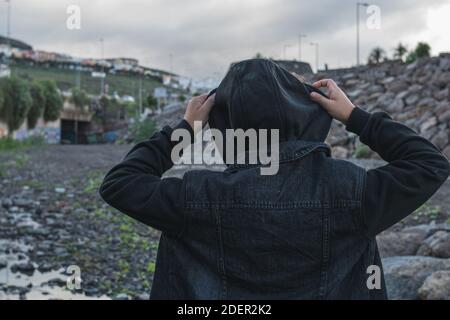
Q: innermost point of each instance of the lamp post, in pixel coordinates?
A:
(316, 45)
(8, 29)
(102, 54)
(300, 36)
(358, 5)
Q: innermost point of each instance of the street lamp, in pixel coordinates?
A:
(300, 36)
(284, 50)
(358, 4)
(315, 44)
(8, 29)
(8, 18)
(102, 78)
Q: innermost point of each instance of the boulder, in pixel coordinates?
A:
(405, 275)
(392, 243)
(436, 286)
(438, 245)
(440, 139)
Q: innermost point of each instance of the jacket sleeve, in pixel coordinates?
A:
(415, 170)
(134, 186)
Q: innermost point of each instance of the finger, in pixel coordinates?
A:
(320, 99)
(320, 83)
(209, 103)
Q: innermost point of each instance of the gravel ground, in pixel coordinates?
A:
(51, 217)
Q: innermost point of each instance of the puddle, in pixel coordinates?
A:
(14, 252)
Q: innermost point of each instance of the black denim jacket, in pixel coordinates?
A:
(307, 232)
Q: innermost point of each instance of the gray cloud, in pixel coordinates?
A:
(205, 36)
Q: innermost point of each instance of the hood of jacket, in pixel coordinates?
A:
(259, 94)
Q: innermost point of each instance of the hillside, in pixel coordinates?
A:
(67, 79)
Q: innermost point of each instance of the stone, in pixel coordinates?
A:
(122, 296)
(405, 275)
(446, 152)
(436, 286)
(391, 243)
(441, 95)
(3, 263)
(445, 117)
(412, 99)
(396, 105)
(438, 245)
(426, 103)
(26, 268)
(428, 124)
(340, 152)
(440, 139)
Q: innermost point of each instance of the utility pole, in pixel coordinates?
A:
(300, 36)
(8, 30)
(358, 4)
(102, 78)
(140, 97)
(317, 54)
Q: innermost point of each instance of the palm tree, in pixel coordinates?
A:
(423, 50)
(399, 51)
(376, 55)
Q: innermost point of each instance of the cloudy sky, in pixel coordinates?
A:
(204, 36)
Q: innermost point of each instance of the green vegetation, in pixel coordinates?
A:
(66, 79)
(142, 130)
(151, 102)
(376, 56)
(37, 105)
(79, 98)
(399, 51)
(53, 101)
(362, 151)
(422, 50)
(428, 211)
(7, 144)
(94, 180)
(16, 102)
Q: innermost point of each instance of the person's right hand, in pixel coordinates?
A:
(338, 105)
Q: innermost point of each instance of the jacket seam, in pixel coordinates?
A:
(221, 257)
(275, 205)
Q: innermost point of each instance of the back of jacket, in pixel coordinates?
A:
(296, 234)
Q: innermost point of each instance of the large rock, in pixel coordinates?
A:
(405, 275)
(391, 243)
(438, 245)
(436, 286)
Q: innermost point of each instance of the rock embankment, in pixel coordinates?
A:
(415, 94)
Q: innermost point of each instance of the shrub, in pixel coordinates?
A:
(53, 101)
(37, 104)
(142, 130)
(79, 98)
(16, 102)
(362, 151)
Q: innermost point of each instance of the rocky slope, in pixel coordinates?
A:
(415, 94)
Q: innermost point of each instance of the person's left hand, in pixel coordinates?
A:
(198, 109)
